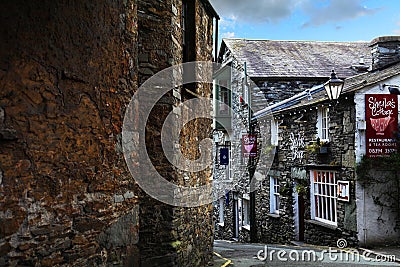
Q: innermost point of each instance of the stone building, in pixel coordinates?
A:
(313, 192)
(67, 72)
(258, 74)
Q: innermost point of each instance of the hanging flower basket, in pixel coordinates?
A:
(318, 147)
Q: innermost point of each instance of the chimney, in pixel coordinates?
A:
(385, 51)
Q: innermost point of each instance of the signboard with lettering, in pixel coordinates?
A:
(297, 145)
(249, 146)
(343, 190)
(381, 114)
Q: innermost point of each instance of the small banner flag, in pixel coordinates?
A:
(249, 145)
(224, 156)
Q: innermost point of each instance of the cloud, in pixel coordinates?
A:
(327, 11)
(317, 12)
(256, 11)
(228, 22)
(228, 35)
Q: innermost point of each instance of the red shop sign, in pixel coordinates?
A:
(381, 114)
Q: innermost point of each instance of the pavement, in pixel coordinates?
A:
(230, 253)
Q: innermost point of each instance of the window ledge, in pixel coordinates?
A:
(247, 227)
(315, 222)
(273, 215)
(221, 224)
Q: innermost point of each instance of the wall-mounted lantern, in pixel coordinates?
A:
(334, 86)
(393, 89)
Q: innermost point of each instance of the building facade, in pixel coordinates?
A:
(293, 199)
(68, 71)
(321, 197)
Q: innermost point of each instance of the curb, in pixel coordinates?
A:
(377, 254)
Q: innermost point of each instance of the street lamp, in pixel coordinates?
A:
(334, 86)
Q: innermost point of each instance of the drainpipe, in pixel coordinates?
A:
(364, 219)
(216, 40)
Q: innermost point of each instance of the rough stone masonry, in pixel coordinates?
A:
(67, 71)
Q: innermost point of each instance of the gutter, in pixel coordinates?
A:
(288, 102)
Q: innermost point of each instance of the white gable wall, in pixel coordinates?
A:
(375, 224)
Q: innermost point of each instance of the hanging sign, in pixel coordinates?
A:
(224, 156)
(249, 145)
(343, 190)
(381, 114)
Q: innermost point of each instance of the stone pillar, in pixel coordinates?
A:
(67, 71)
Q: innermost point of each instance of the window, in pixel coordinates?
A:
(323, 124)
(246, 212)
(274, 133)
(274, 195)
(188, 30)
(224, 97)
(221, 210)
(323, 196)
(245, 91)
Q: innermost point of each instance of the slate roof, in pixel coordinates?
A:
(319, 95)
(298, 59)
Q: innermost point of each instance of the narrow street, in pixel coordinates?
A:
(227, 253)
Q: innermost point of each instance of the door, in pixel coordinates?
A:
(301, 217)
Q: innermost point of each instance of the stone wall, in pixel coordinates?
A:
(67, 70)
(173, 236)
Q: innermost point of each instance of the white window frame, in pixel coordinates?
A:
(274, 196)
(245, 91)
(246, 213)
(221, 210)
(323, 196)
(224, 98)
(323, 124)
(240, 213)
(274, 132)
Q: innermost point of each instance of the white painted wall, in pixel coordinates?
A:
(375, 225)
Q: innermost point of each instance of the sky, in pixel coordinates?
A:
(319, 20)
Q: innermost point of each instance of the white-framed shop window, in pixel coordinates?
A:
(324, 196)
(221, 210)
(274, 196)
(323, 124)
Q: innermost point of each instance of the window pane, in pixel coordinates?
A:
(324, 184)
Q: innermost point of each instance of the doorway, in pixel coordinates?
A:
(235, 218)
